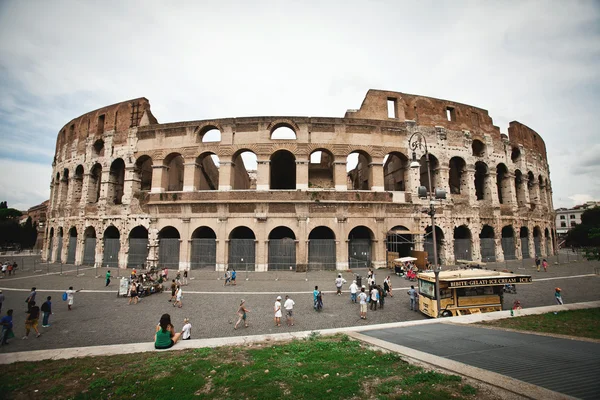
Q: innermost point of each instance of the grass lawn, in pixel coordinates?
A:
(315, 368)
(582, 323)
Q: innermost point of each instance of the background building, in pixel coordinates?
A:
(567, 218)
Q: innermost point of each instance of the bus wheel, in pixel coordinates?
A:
(446, 313)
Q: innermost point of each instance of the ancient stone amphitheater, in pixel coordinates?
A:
(264, 193)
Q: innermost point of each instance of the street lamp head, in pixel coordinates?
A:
(415, 163)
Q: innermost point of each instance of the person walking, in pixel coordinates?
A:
(412, 293)
(380, 296)
(233, 276)
(133, 293)
(186, 331)
(241, 312)
(70, 296)
(178, 297)
(339, 281)
(4, 269)
(374, 295)
(387, 286)
(31, 298)
(185, 277)
(173, 291)
(227, 278)
(7, 325)
(31, 322)
(289, 310)
(46, 311)
(315, 295)
(353, 291)
(558, 296)
(537, 263)
(362, 297)
(277, 309)
(107, 278)
(545, 265)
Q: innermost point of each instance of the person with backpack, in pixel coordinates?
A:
(31, 298)
(47, 311)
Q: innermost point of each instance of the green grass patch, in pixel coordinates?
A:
(580, 323)
(319, 367)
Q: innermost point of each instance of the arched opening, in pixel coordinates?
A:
(531, 189)
(548, 194)
(138, 248)
(519, 188)
(243, 170)
(549, 248)
(457, 176)
(434, 167)
(89, 246)
(168, 247)
(515, 154)
(462, 244)
(542, 191)
(502, 184)
(282, 249)
(59, 244)
(508, 243)
(98, 148)
(50, 244)
(283, 170)
(112, 246)
(56, 190)
(95, 184)
(206, 173)
(116, 181)
(242, 249)
(359, 247)
(321, 170)
(143, 172)
(175, 170)
(478, 148)
(399, 242)
(482, 190)
(488, 244)
(395, 172)
(204, 248)
(428, 243)
(321, 249)
(358, 168)
(537, 241)
(524, 236)
(283, 132)
(77, 185)
(210, 134)
(72, 249)
(64, 187)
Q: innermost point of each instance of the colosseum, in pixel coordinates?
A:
(267, 193)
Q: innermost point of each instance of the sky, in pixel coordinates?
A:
(537, 62)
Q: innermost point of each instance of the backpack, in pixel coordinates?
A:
(65, 296)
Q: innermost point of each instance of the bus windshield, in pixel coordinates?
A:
(427, 288)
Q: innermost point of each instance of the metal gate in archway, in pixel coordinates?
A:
(72, 250)
(508, 248)
(525, 247)
(89, 251)
(242, 254)
(168, 253)
(138, 252)
(548, 246)
(462, 249)
(50, 244)
(59, 249)
(204, 254)
(488, 249)
(428, 247)
(321, 254)
(282, 254)
(110, 257)
(359, 253)
(537, 243)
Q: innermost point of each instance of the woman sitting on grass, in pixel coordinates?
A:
(165, 336)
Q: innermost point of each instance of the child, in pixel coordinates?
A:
(315, 294)
(186, 331)
(227, 278)
(558, 296)
(233, 276)
(545, 265)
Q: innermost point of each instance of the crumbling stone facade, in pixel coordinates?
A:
(236, 192)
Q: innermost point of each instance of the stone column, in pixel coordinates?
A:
(99, 249)
(129, 183)
(190, 176)
(302, 174)
(499, 251)
(413, 183)
(65, 247)
(225, 168)
(261, 246)
(302, 242)
(377, 179)
(341, 246)
(159, 178)
(105, 182)
(80, 248)
(222, 245)
(184, 245)
(532, 251)
(341, 177)
(123, 251)
(439, 178)
(492, 188)
(525, 191)
(262, 179)
(475, 247)
(511, 194)
(470, 177)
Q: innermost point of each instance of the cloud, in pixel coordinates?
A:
(28, 183)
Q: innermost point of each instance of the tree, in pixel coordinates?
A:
(587, 234)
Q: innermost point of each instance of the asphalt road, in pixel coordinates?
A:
(99, 317)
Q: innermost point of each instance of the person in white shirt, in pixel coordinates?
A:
(353, 291)
(374, 295)
(363, 303)
(339, 281)
(70, 296)
(178, 297)
(186, 331)
(289, 310)
(277, 309)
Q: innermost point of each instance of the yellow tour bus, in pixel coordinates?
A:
(465, 291)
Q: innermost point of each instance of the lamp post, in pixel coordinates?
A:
(418, 141)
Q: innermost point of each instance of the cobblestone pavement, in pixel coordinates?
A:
(100, 317)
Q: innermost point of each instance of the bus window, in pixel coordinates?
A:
(445, 293)
(427, 288)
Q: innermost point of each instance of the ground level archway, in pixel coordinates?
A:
(242, 249)
(321, 249)
(204, 248)
(282, 249)
(359, 247)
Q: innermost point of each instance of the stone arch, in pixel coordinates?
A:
(206, 171)
(502, 184)
(321, 249)
(72, 246)
(482, 189)
(143, 173)
(400, 241)
(64, 187)
(358, 168)
(457, 176)
(98, 148)
(321, 169)
(273, 125)
(396, 171)
(549, 247)
(428, 243)
(204, 248)
(283, 131)
(112, 246)
(89, 246)
(537, 240)
(477, 148)
(210, 133)
(531, 181)
(524, 237)
(77, 185)
(243, 169)
(242, 249)
(508, 243)
(95, 184)
(50, 243)
(434, 166)
(515, 154)
(519, 188)
(463, 243)
(59, 244)
(542, 191)
(282, 170)
(488, 244)
(282, 249)
(175, 172)
(116, 181)
(359, 247)
(168, 247)
(138, 247)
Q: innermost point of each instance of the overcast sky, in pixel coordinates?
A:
(537, 62)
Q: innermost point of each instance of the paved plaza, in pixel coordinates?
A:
(99, 317)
